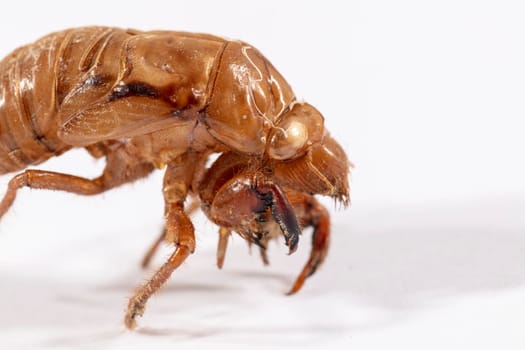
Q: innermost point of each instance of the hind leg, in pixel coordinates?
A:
(119, 169)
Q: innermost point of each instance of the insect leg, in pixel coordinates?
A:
(264, 256)
(146, 260)
(118, 170)
(179, 231)
(137, 303)
(192, 207)
(317, 216)
(224, 235)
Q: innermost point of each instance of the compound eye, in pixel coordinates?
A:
(288, 141)
(297, 130)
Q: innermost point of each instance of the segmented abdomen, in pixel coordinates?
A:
(34, 80)
(72, 87)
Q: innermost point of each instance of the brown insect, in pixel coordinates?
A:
(146, 100)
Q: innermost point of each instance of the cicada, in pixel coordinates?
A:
(169, 100)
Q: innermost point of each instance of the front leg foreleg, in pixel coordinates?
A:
(312, 213)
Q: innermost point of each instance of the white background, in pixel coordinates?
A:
(428, 100)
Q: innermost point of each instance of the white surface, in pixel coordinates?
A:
(428, 100)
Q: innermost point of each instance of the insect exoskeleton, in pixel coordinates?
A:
(146, 100)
